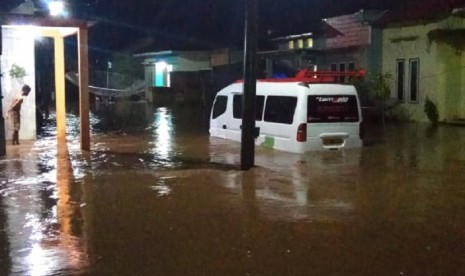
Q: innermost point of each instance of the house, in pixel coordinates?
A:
(341, 43)
(423, 44)
(292, 53)
(190, 76)
(168, 73)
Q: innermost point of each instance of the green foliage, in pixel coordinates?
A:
(380, 87)
(17, 72)
(431, 111)
(363, 90)
(375, 90)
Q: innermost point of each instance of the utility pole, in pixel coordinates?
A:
(250, 79)
(2, 120)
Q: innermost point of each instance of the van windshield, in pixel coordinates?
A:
(334, 108)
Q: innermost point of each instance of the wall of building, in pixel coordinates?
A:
(192, 61)
(442, 76)
(374, 52)
(357, 55)
(450, 61)
(450, 82)
(407, 43)
(149, 73)
(18, 49)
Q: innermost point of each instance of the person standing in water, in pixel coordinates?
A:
(14, 113)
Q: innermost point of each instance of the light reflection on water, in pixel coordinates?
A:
(163, 134)
(34, 219)
(164, 198)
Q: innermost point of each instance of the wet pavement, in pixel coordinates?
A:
(157, 196)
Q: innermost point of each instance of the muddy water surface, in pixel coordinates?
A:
(158, 196)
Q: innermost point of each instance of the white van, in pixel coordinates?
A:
(297, 115)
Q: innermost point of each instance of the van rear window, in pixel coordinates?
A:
(334, 108)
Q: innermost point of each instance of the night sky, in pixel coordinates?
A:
(197, 24)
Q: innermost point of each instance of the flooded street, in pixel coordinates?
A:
(157, 196)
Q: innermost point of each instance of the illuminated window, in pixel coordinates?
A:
(300, 43)
(163, 74)
(291, 44)
(309, 42)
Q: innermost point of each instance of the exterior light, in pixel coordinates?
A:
(56, 8)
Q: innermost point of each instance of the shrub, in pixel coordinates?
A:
(431, 111)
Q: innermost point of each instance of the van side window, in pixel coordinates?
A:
(280, 109)
(334, 108)
(220, 106)
(237, 107)
(259, 101)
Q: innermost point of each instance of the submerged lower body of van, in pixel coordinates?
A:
(314, 138)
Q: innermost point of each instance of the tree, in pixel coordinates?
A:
(381, 93)
(374, 92)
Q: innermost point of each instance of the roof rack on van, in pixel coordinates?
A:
(308, 76)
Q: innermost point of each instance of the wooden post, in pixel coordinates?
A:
(250, 79)
(84, 89)
(60, 101)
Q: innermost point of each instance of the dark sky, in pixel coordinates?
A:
(176, 24)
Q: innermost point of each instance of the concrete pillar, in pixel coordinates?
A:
(60, 88)
(84, 89)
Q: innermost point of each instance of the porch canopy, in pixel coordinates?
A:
(58, 29)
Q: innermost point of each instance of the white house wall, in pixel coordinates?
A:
(441, 77)
(406, 43)
(18, 48)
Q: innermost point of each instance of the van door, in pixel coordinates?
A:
(236, 123)
(219, 117)
(277, 128)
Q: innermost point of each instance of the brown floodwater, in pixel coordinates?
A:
(157, 196)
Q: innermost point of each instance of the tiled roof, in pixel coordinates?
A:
(351, 31)
(420, 11)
